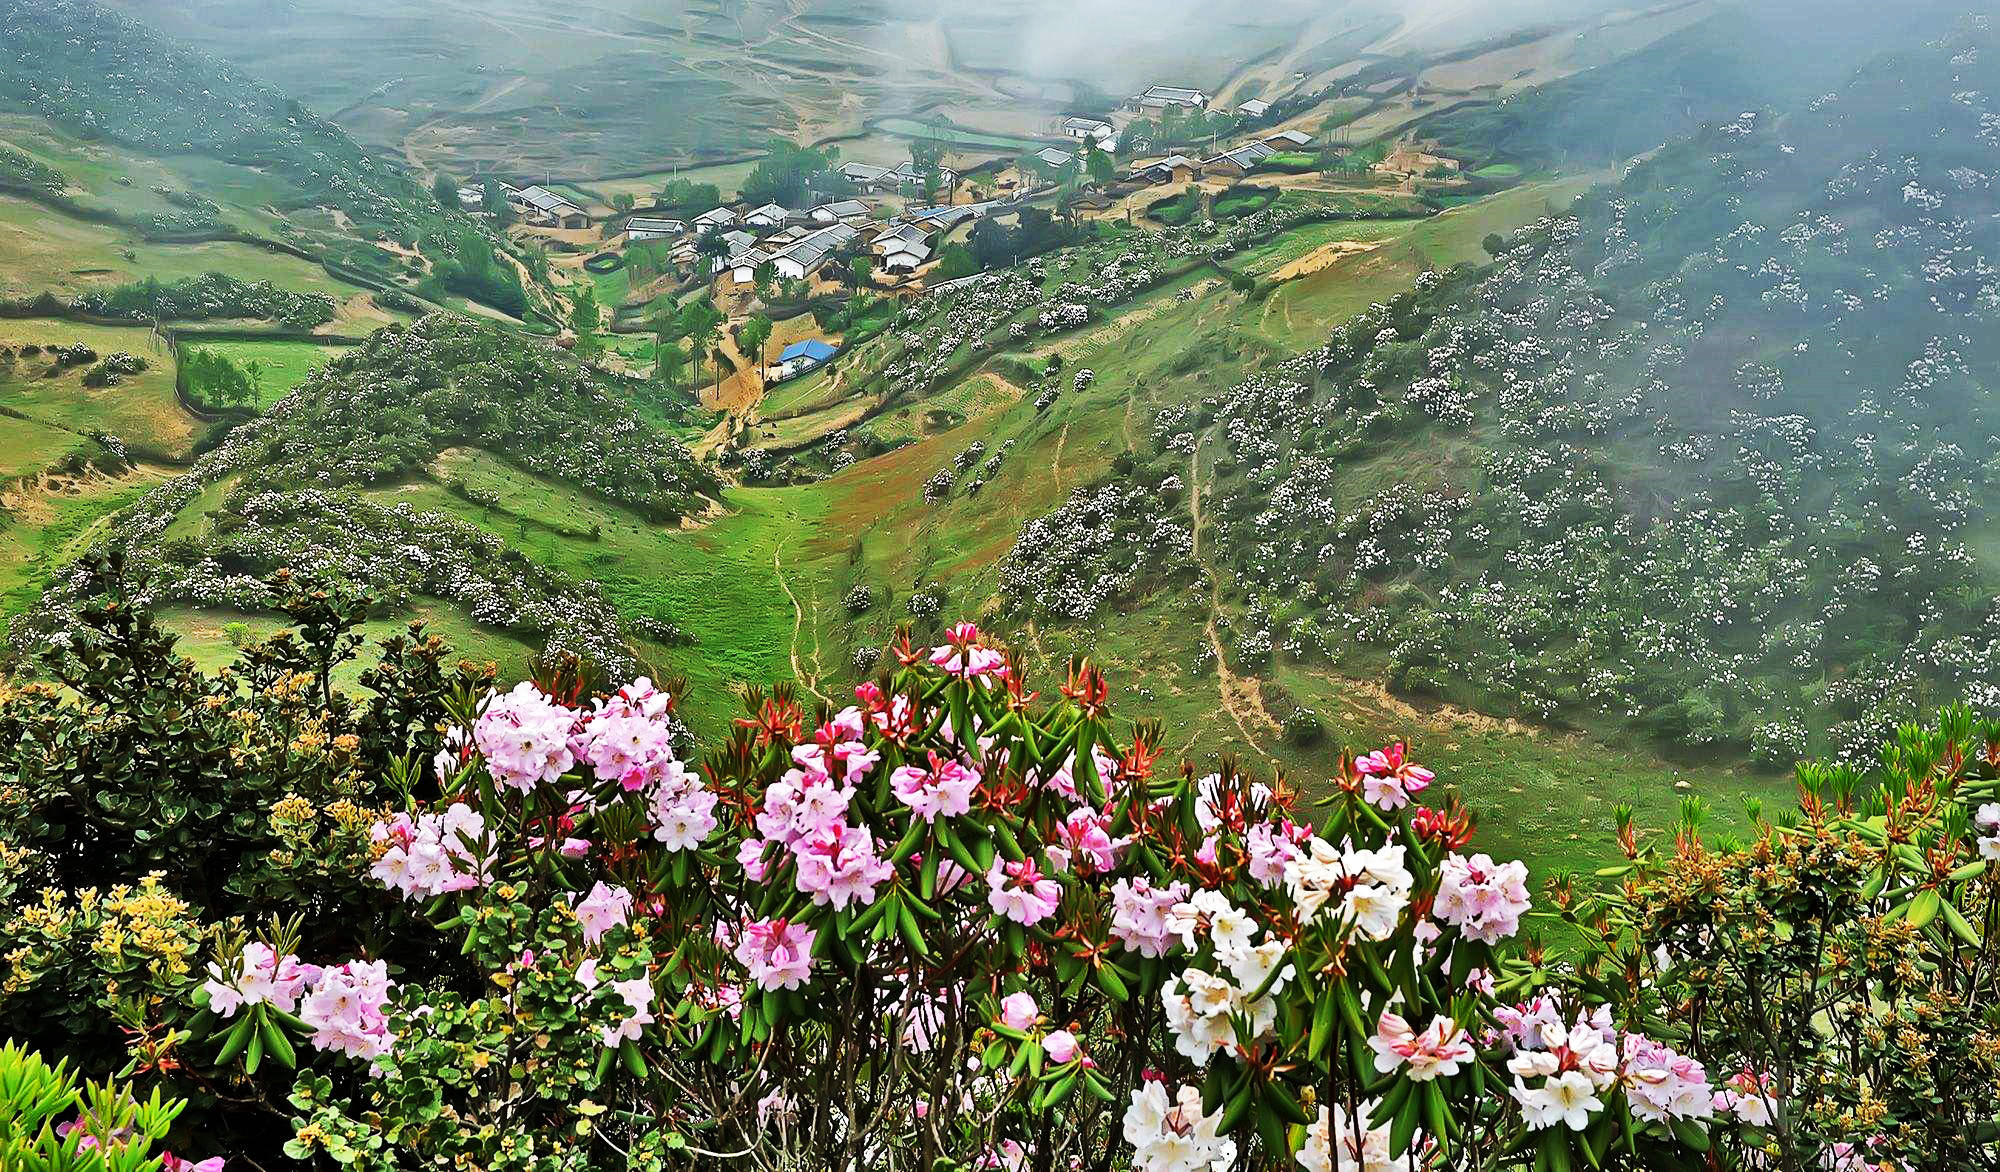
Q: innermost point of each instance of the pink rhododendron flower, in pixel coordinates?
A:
(1018, 891)
(837, 864)
(525, 737)
(637, 994)
(944, 788)
(1661, 1084)
(683, 816)
(777, 954)
(633, 750)
(426, 855)
(257, 976)
(1484, 900)
(963, 656)
(1086, 834)
(1271, 845)
(1018, 1011)
(1746, 1096)
(1139, 914)
(1061, 1046)
(172, 1163)
(1438, 1050)
(750, 857)
(605, 908)
(344, 1009)
(1388, 781)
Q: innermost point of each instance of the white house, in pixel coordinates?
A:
(1289, 139)
(653, 228)
(471, 198)
(907, 173)
(717, 218)
(1087, 129)
(743, 267)
(803, 258)
(1161, 97)
(768, 216)
(1254, 108)
(902, 248)
(840, 209)
(866, 175)
(1055, 160)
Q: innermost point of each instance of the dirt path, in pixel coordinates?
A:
(1320, 258)
(1056, 464)
(1239, 695)
(811, 681)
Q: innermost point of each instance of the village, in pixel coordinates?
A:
(867, 236)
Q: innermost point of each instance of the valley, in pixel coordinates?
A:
(1054, 354)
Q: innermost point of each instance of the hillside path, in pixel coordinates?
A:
(811, 681)
(1239, 695)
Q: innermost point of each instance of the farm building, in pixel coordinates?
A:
(842, 209)
(1087, 129)
(653, 228)
(544, 206)
(800, 357)
(948, 216)
(1254, 108)
(1162, 97)
(907, 174)
(1415, 160)
(768, 216)
(718, 218)
(902, 248)
(866, 176)
(1055, 160)
(1289, 139)
(1239, 162)
(471, 198)
(1172, 169)
(743, 267)
(802, 258)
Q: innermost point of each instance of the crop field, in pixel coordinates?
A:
(958, 136)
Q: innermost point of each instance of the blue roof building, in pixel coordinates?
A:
(813, 351)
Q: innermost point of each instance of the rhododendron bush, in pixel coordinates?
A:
(952, 925)
(955, 923)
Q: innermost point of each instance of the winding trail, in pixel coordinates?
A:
(1239, 695)
(811, 681)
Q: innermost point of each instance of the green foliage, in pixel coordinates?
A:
(209, 296)
(464, 261)
(791, 176)
(215, 379)
(115, 1131)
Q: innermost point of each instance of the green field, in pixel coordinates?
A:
(141, 410)
(284, 363)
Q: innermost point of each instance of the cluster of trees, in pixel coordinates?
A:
(995, 245)
(793, 176)
(687, 196)
(207, 297)
(463, 261)
(214, 378)
(1178, 126)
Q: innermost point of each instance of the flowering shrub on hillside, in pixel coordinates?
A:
(949, 925)
(946, 923)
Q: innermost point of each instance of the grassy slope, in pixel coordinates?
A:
(285, 362)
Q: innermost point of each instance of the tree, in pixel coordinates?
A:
(955, 261)
(926, 157)
(445, 189)
(859, 270)
(623, 202)
(1494, 244)
(787, 174)
(1097, 164)
(753, 334)
(710, 246)
(669, 364)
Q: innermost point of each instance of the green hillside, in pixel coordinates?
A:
(125, 155)
(1710, 458)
